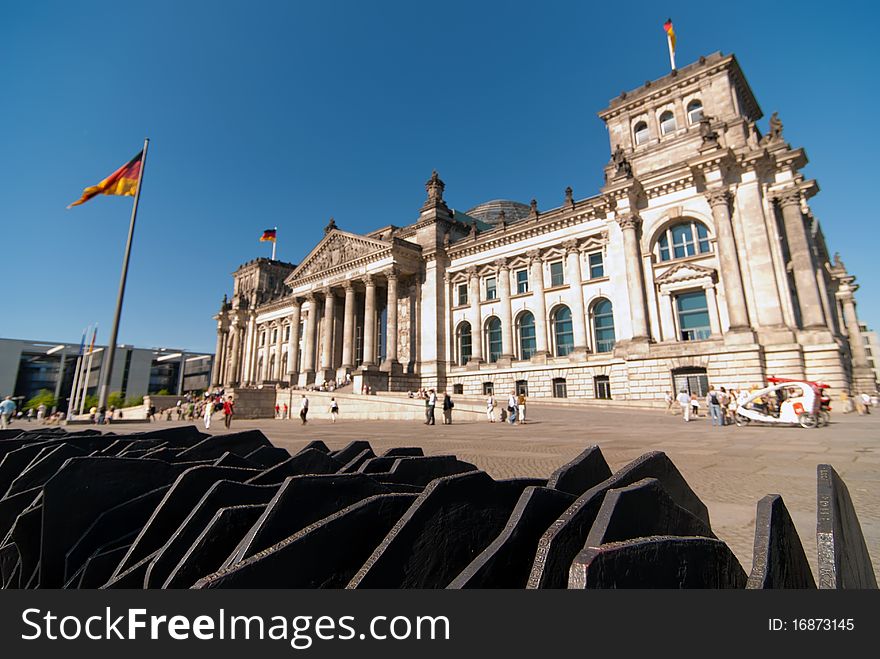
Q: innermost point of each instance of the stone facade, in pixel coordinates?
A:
(699, 261)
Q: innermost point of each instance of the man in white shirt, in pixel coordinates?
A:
(304, 409)
(684, 400)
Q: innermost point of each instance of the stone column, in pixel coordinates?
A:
(475, 316)
(308, 369)
(536, 283)
(391, 322)
(731, 278)
(369, 321)
(293, 342)
(851, 319)
(218, 356)
(327, 337)
(635, 285)
(348, 327)
(575, 295)
(712, 306)
(279, 353)
(502, 275)
(801, 259)
(235, 353)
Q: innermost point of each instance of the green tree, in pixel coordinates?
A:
(43, 397)
(91, 401)
(163, 392)
(115, 400)
(134, 402)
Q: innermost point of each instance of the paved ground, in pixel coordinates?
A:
(729, 468)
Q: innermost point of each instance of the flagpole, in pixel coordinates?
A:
(274, 243)
(82, 403)
(111, 346)
(71, 399)
(80, 376)
(671, 52)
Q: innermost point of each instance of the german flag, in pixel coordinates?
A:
(123, 181)
(268, 236)
(670, 32)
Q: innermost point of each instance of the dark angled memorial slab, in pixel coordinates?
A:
(455, 518)
(325, 554)
(133, 577)
(233, 460)
(15, 462)
(221, 495)
(213, 545)
(422, 470)
(180, 436)
(585, 471)
(166, 454)
(350, 451)
(378, 465)
(43, 467)
(567, 535)
(94, 484)
(403, 451)
(186, 491)
(121, 521)
(779, 560)
(240, 443)
(309, 461)
(99, 567)
(507, 561)
(640, 510)
(12, 507)
(300, 501)
(352, 465)
(318, 445)
(26, 535)
(658, 562)
(844, 561)
(9, 561)
(267, 456)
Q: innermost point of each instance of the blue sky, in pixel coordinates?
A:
(286, 113)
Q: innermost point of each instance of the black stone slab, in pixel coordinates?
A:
(141, 446)
(232, 460)
(318, 445)
(133, 577)
(267, 456)
(165, 454)
(507, 561)
(213, 545)
(300, 501)
(350, 451)
(566, 536)
(123, 520)
(186, 491)
(12, 507)
(309, 461)
(585, 471)
(99, 567)
(94, 485)
(221, 495)
(325, 554)
(15, 462)
(844, 561)
(779, 560)
(640, 510)
(658, 562)
(10, 560)
(454, 519)
(9, 433)
(378, 465)
(25, 534)
(421, 471)
(43, 467)
(179, 436)
(240, 443)
(403, 451)
(353, 464)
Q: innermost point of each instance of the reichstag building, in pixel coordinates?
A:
(698, 262)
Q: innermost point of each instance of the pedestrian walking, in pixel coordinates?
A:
(521, 408)
(228, 412)
(490, 408)
(7, 409)
(684, 400)
(334, 409)
(304, 409)
(670, 402)
(447, 409)
(277, 411)
(286, 414)
(511, 408)
(430, 404)
(695, 405)
(41, 412)
(713, 403)
(209, 410)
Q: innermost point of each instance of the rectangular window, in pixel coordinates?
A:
(559, 388)
(488, 388)
(597, 265)
(522, 387)
(287, 333)
(462, 294)
(491, 288)
(522, 281)
(682, 241)
(458, 389)
(693, 316)
(557, 276)
(602, 385)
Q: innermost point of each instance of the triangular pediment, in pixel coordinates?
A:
(685, 272)
(336, 249)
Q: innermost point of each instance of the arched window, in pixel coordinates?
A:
(284, 368)
(260, 370)
(603, 325)
(525, 330)
(682, 240)
(493, 339)
(640, 133)
(272, 368)
(464, 343)
(667, 123)
(563, 333)
(695, 111)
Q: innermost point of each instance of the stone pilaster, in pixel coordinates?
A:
(348, 328)
(328, 373)
(307, 374)
(218, 355)
(391, 362)
(503, 282)
(233, 375)
(635, 285)
(575, 296)
(267, 353)
(731, 277)
(277, 375)
(369, 321)
(539, 304)
(863, 375)
(476, 318)
(293, 342)
(789, 201)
